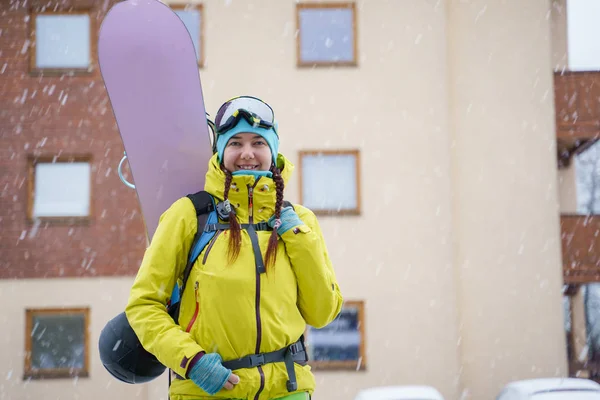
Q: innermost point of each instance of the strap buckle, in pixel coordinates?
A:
(296, 348)
(262, 226)
(291, 386)
(257, 360)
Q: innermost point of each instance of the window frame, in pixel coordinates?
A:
(342, 5)
(56, 373)
(577, 34)
(32, 162)
(345, 365)
(200, 8)
(36, 71)
(326, 211)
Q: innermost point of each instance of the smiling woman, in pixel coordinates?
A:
(263, 276)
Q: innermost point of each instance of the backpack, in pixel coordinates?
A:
(207, 214)
(208, 219)
(120, 350)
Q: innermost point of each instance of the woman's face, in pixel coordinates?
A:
(247, 151)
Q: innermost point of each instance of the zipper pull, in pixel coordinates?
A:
(250, 200)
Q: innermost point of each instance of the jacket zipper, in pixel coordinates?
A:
(191, 323)
(257, 299)
(210, 245)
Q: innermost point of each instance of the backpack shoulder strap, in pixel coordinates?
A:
(203, 202)
(204, 205)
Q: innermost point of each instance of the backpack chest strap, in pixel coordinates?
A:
(260, 226)
(251, 229)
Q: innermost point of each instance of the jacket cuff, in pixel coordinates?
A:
(191, 364)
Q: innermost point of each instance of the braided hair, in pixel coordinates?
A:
(271, 254)
(235, 238)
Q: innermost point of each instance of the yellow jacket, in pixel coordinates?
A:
(229, 308)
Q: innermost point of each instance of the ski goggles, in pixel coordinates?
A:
(255, 111)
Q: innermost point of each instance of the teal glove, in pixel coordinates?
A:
(209, 374)
(289, 219)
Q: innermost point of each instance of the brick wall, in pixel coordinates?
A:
(60, 116)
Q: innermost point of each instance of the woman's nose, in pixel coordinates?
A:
(247, 152)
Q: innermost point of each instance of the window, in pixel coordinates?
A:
(341, 344)
(582, 31)
(57, 343)
(61, 42)
(59, 188)
(591, 303)
(192, 16)
(330, 181)
(326, 34)
(587, 173)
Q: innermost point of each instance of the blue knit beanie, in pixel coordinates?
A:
(244, 127)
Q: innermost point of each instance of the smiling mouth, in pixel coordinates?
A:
(247, 167)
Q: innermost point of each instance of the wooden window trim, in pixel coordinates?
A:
(56, 373)
(346, 365)
(34, 70)
(200, 8)
(32, 161)
(356, 154)
(303, 6)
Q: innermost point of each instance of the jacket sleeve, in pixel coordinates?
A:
(163, 263)
(319, 296)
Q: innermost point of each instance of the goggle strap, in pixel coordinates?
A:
(235, 117)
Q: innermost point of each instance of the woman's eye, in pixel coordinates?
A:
(234, 144)
(260, 143)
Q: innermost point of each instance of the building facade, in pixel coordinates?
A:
(436, 124)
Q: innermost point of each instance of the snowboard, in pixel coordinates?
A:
(150, 70)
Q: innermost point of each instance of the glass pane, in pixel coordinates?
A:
(62, 41)
(591, 299)
(57, 341)
(326, 35)
(582, 31)
(587, 175)
(338, 341)
(191, 20)
(329, 182)
(62, 189)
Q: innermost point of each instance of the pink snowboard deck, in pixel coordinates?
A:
(149, 66)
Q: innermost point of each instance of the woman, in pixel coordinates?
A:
(263, 277)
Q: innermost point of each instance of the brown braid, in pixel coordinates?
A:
(235, 238)
(271, 255)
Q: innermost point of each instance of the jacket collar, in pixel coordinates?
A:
(262, 188)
